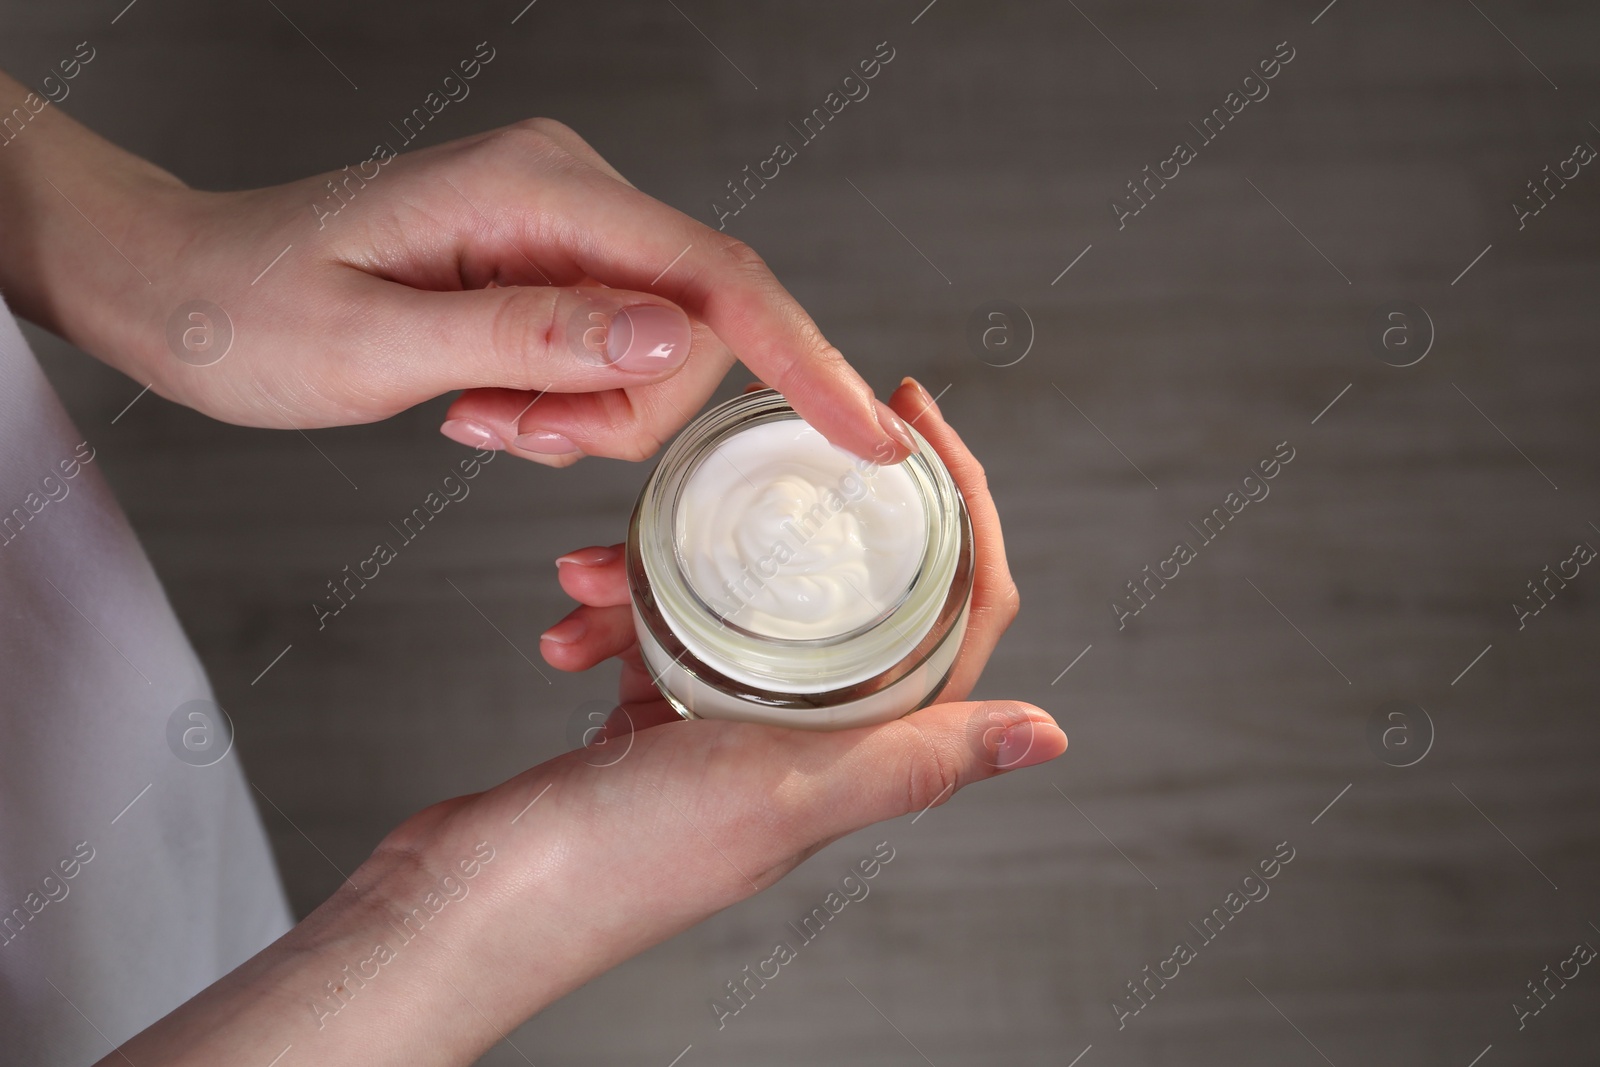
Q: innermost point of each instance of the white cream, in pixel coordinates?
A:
(788, 537)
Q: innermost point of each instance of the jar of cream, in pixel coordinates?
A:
(778, 579)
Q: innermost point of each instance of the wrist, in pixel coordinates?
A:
(78, 215)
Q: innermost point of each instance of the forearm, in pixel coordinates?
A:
(469, 918)
(76, 212)
(392, 973)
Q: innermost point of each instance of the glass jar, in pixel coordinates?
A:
(759, 648)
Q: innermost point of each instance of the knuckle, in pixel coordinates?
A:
(1010, 603)
(819, 356)
(743, 259)
(549, 127)
(932, 775)
(523, 135)
(974, 486)
(571, 147)
(997, 608)
(536, 139)
(526, 326)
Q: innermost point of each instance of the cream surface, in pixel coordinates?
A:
(789, 537)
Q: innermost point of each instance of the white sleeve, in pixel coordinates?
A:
(130, 877)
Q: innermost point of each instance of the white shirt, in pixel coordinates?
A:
(130, 878)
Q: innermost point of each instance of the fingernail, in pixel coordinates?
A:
(566, 631)
(545, 443)
(896, 428)
(1027, 743)
(922, 393)
(472, 434)
(591, 557)
(649, 337)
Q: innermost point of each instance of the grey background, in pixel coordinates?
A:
(1196, 339)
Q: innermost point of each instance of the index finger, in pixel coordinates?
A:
(624, 238)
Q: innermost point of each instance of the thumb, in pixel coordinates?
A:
(567, 340)
(920, 761)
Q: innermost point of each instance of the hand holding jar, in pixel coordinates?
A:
(590, 858)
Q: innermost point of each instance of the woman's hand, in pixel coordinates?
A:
(602, 626)
(582, 316)
(479, 911)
